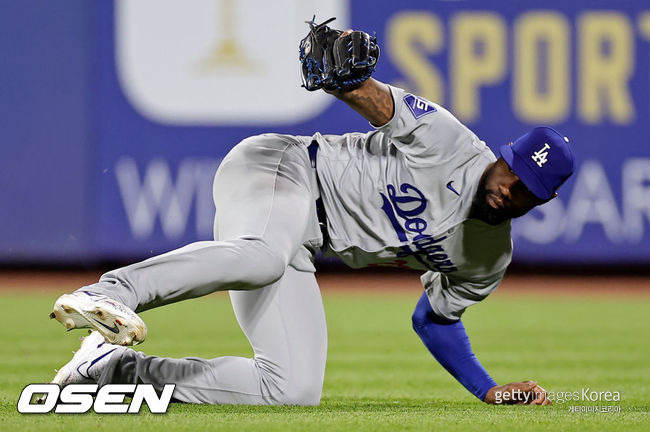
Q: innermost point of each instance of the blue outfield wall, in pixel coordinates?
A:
(45, 200)
(115, 114)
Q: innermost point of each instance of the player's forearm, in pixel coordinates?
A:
(372, 100)
(449, 344)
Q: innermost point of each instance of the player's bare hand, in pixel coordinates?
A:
(520, 393)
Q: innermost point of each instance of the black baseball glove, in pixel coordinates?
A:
(336, 63)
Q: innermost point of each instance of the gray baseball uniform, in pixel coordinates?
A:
(400, 196)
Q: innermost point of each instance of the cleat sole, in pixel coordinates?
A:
(115, 325)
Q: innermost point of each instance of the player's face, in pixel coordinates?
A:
(502, 195)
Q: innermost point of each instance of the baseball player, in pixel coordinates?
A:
(421, 191)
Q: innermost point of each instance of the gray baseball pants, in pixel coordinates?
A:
(265, 231)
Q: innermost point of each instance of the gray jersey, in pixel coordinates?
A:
(397, 196)
(401, 196)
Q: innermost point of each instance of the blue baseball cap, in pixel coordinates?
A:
(542, 159)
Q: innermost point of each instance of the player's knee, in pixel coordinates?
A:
(266, 273)
(303, 397)
(304, 393)
(287, 388)
(269, 267)
(263, 265)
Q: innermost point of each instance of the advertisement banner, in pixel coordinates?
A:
(181, 84)
(168, 88)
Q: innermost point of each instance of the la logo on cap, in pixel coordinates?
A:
(541, 156)
(529, 158)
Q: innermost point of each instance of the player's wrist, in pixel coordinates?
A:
(348, 93)
(490, 396)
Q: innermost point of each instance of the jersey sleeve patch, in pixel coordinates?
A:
(418, 106)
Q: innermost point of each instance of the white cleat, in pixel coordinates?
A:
(87, 363)
(117, 323)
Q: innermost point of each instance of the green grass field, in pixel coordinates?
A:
(379, 376)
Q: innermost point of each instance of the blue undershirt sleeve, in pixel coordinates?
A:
(449, 344)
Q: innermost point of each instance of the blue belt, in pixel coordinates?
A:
(312, 149)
